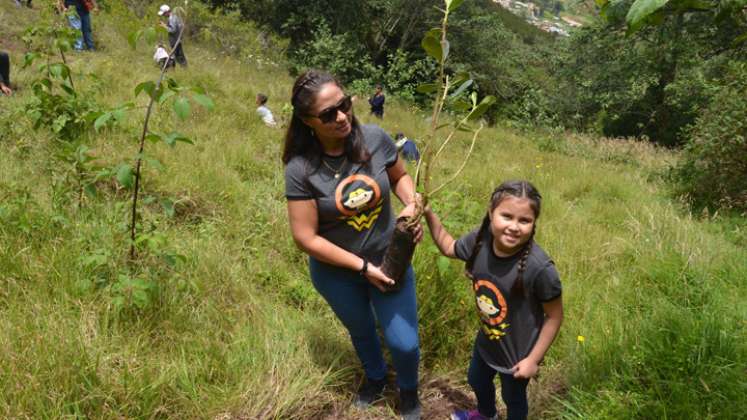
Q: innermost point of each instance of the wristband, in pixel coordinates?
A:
(364, 269)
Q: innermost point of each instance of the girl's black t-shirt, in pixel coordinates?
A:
(510, 322)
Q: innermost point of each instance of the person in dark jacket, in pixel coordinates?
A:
(5, 74)
(377, 102)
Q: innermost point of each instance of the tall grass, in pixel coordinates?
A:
(237, 329)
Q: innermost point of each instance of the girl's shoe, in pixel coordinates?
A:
(470, 415)
(370, 391)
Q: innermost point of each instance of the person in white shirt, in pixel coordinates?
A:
(161, 56)
(264, 112)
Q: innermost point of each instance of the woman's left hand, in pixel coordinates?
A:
(525, 369)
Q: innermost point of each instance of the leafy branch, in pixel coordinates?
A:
(158, 92)
(436, 44)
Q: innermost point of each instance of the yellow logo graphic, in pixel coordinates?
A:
(363, 220)
(492, 308)
(358, 198)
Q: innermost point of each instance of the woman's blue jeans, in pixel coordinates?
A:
(513, 391)
(359, 305)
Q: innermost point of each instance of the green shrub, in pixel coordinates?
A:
(713, 171)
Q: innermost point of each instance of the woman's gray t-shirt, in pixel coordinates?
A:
(510, 322)
(354, 210)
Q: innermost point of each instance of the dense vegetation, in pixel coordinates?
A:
(652, 83)
(217, 318)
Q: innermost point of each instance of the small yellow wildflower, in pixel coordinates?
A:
(581, 338)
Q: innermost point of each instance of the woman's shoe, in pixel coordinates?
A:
(370, 391)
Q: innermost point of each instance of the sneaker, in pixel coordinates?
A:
(409, 404)
(470, 415)
(370, 391)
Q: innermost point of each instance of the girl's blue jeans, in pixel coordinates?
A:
(359, 305)
(513, 391)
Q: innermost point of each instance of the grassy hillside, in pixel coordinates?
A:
(655, 320)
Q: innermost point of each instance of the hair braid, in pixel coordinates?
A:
(518, 286)
(478, 244)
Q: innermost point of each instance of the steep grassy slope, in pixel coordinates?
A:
(237, 331)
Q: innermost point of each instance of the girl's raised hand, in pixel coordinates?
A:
(376, 277)
(525, 369)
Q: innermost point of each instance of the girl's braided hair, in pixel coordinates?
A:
(518, 189)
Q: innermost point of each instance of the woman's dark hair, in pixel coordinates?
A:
(262, 98)
(518, 189)
(300, 139)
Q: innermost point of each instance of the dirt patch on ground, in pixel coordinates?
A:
(439, 398)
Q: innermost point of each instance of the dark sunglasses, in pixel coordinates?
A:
(330, 114)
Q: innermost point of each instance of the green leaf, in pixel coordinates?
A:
(126, 175)
(150, 35)
(432, 46)
(154, 137)
(461, 88)
(102, 120)
(427, 87)
(118, 114)
(148, 87)
(28, 59)
(68, 89)
(181, 107)
(203, 100)
(133, 37)
(479, 110)
(640, 10)
(452, 5)
(174, 137)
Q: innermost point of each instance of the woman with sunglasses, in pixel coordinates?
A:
(338, 179)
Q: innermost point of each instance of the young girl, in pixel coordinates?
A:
(517, 292)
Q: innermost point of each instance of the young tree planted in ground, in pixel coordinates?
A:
(450, 91)
(158, 92)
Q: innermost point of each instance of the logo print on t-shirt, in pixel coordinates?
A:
(492, 308)
(358, 198)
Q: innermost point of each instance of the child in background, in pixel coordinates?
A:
(264, 112)
(517, 293)
(161, 56)
(407, 147)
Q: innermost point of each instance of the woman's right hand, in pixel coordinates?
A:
(377, 278)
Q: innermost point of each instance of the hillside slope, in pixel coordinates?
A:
(655, 321)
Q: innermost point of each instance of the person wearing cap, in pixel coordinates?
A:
(82, 22)
(174, 26)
